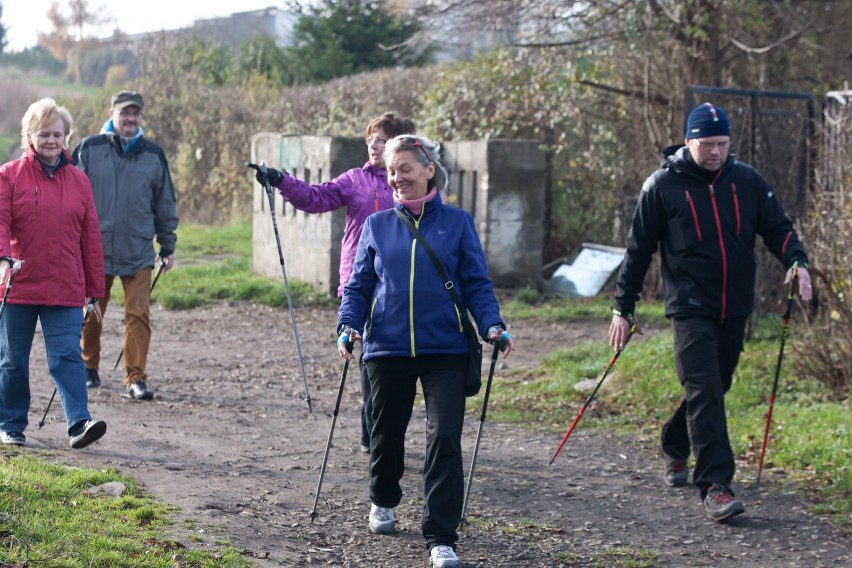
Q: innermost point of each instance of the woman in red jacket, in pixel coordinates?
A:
(48, 222)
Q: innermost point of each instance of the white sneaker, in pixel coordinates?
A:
(13, 438)
(444, 557)
(382, 520)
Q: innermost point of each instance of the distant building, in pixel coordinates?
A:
(233, 30)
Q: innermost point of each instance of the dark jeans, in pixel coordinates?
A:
(706, 355)
(394, 383)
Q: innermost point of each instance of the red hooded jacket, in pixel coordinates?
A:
(51, 223)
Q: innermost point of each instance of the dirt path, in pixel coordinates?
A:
(228, 439)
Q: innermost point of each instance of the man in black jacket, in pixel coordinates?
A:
(704, 210)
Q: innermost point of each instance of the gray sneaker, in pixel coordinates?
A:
(382, 519)
(442, 556)
(677, 474)
(720, 503)
(13, 438)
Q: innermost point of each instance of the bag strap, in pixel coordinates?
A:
(448, 284)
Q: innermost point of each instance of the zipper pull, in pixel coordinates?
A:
(376, 190)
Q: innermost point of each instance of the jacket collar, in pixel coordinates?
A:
(678, 159)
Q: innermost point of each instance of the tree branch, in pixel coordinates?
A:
(658, 99)
(772, 45)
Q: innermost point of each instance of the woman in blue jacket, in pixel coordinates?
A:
(411, 329)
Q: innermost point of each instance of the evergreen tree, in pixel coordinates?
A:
(344, 37)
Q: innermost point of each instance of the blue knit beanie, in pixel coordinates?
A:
(707, 120)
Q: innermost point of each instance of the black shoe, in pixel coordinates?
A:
(139, 391)
(720, 503)
(87, 432)
(93, 380)
(677, 474)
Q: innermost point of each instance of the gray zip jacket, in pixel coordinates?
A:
(135, 200)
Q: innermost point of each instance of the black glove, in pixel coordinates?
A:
(271, 176)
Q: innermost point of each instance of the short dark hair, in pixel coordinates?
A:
(392, 124)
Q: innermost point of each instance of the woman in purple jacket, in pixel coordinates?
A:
(363, 191)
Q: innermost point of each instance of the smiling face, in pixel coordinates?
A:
(126, 120)
(49, 141)
(407, 176)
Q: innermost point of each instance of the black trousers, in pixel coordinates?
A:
(706, 355)
(367, 406)
(394, 382)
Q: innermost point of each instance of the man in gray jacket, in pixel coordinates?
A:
(136, 203)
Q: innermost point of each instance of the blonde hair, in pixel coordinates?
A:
(41, 113)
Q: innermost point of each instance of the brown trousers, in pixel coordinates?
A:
(137, 326)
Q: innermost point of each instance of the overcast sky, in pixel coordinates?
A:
(25, 19)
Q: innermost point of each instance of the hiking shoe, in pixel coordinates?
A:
(13, 438)
(382, 520)
(720, 503)
(87, 432)
(677, 473)
(365, 448)
(444, 557)
(93, 380)
(139, 391)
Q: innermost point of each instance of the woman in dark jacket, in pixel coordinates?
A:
(411, 329)
(48, 223)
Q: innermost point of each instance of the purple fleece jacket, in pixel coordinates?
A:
(363, 191)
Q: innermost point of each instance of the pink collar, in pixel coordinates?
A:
(416, 205)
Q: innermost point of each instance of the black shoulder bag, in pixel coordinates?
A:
(473, 375)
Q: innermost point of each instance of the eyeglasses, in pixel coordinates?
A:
(704, 145)
(409, 142)
(370, 140)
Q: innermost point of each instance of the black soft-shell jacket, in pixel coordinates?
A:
(705, 224)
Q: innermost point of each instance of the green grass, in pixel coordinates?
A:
(214, 264)
(810, 445)
(46, 519)
(527, 303)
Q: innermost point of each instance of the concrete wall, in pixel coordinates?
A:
(501, 182)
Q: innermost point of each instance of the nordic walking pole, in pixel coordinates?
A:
(594, 392)
(784, 333)
(497, 348)
(154, 283)
(89, 307)
(16, 266)
(270, 196)
(313, 512)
